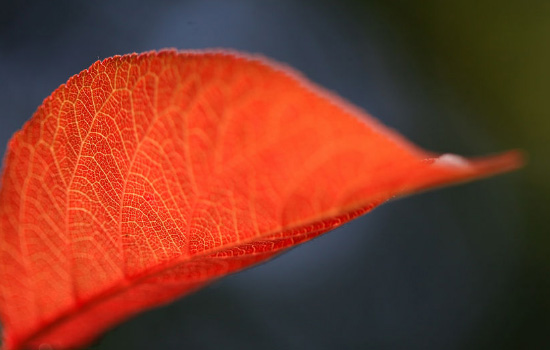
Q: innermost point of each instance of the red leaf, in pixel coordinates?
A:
(147, 176)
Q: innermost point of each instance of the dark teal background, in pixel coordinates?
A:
(461, 268)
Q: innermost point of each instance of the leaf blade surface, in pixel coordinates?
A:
(147, 176)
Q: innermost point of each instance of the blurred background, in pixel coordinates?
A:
(460, 268)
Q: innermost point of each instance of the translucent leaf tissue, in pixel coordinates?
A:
(146, 177)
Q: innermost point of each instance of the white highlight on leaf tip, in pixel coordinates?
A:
(452, 160)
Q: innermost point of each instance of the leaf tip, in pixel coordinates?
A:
(489, 165)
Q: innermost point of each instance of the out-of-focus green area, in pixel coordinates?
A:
(496, 56)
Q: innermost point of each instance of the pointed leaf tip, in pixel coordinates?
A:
(146, 177)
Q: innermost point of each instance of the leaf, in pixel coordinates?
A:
(148, 176)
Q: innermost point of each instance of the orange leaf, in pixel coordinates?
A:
(147, 176)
